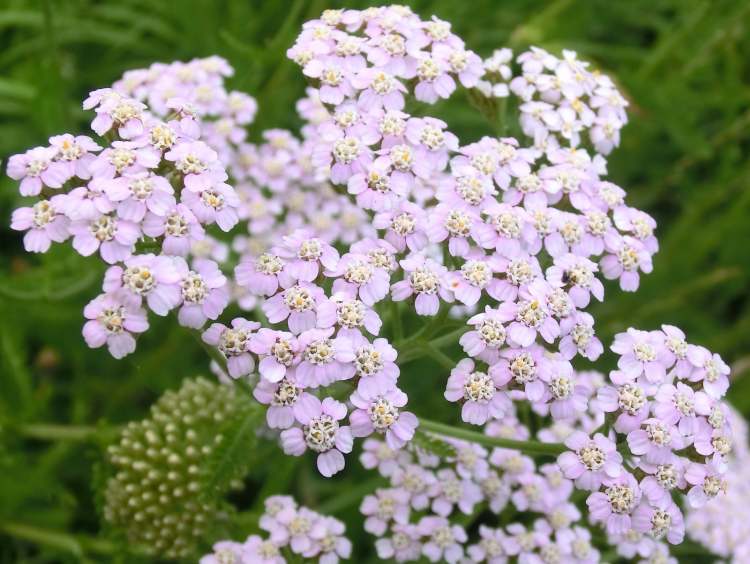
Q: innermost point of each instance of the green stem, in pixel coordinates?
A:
(76, 545)
(449, 338)
(397, 331)
(527, 447)
(439, 356)
(53, 432)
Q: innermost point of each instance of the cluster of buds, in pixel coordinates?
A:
(293, 531)
(155, 494)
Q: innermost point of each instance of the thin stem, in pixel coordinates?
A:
(449, 338)
(76, 545)
(53, 432)
(527, 447)
(439, 356)
(397, 331)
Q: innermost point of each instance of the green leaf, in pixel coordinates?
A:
(230, 460)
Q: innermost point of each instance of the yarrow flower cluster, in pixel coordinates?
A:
(370, 206)
(723, 523)
(302, 531)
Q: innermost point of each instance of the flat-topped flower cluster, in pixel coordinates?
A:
(290, 527)
(369, 206)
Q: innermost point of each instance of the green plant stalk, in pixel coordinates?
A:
(527, 447)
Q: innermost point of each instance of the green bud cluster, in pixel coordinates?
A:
(156, 493)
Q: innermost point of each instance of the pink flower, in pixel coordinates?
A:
(43, 223)
(278, 352)
(137, 194)
(402, 546)
(405, 226)
(445, 541)
(424, 278)
(378, 410)
(224, 551)
(155, 278)
(124, 158)
(706, 480)
(614, 506)
(530, 315)
(255, 549)
(478, 391)
(656, 442)
(434, 82)
(205, 293)
(179, 227)
(578, 273)
(628, 255)
(112, 320)
(448, 222)
(710, 369)
(630, 400)
(324, 360)
(114, 238)
(281, 397)
(300, 306)
(262, 275)
(507, 229)
(662, 521)
(217, 203)
(199, 164)
(490, 546)
(114, 110)
(524, 367)
(35, 169)
(488, 335)
(304, 254)
(641, 352)
(328, 541)
(321, 433)
(579, 337)
(74, 154)
(376, 454)
(566, 398)
(358, 277)
(590, 461)
(384, 508)
(475, 275)
(451, 490)
(378, 89)
(234, 344)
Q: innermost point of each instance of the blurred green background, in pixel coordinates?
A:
(683, 64)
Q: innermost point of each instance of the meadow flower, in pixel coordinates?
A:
(378, 409)
(710, 370)
(281, 397)
(299, 306)
(234, 343)
(43, 222)
(113, 320)
(114, 238)
(304, 254)
(153, 278)
(324, 359)
(204, 293)
(358, 277)
(590, 461)
(74, 154)
(179, 227)
(383, 508)
(487, 336)
(444, 541)
(321, 432)
(262, 275)
(478, 391)
(402, 546)
(424, 277)
(35, 170)
(329, 543)
(641, 352)
(614, 505)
